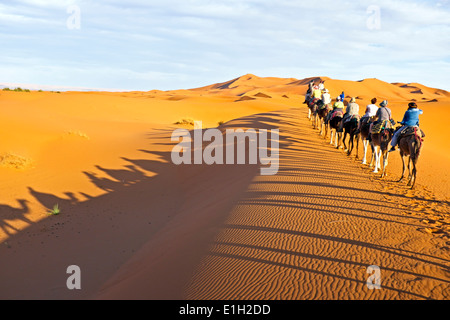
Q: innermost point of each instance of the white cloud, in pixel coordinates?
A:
(191, 42)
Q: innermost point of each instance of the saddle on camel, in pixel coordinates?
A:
(377, 127)
(312, 106)
(408, 131)
(336, 113)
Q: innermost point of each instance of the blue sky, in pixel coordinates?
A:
(180, 44)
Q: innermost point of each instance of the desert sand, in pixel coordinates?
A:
(141, 227)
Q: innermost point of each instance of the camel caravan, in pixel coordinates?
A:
(375, 128)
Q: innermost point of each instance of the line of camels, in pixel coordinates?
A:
(410, 144)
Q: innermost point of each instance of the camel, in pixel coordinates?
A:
(312, 106)
(321, 115)
(381, 141)
(350, 128)
(334, 124)
(410, 146)
(364, 135)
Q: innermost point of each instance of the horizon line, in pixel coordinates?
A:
(43, 87)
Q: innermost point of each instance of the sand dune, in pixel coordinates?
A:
(262, 95)
(141, 227)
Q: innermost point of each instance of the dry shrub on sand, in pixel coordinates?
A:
(77, 133)
(186, 121)
(11, 160)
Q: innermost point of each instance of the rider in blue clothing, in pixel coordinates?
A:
(410, 119)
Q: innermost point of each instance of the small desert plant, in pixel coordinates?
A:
(186, 121)
(12, 160)
(55, 211)
(220, 123)
(6, 89)
(77, 133)
(18, 89)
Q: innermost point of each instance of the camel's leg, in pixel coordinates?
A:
(385, 163)
(376, 155)
(350, 145)
(372, 158)
(343, 141)
(365, 147)
(331, 134)
(357, 146)
(414, 171)
(309, 113)
(409, 171)
(380, 154)
(404, 167)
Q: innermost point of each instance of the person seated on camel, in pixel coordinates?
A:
(371, 111)
(309, 92)
(307, 97)
(383, 113)
(410, 119)
(317, 93)
(338, 105)
(311, 85)
(352, 110)
(321, 85)
(326, 98)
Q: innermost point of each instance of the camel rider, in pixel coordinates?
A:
(309, 92)
(410, 119)
(352, 110)
(338, 104)
(317, 93)
(307, 97)
(326, 98)
(342, 96)
(311, 85)
(383, 113)
(321, 85)
(371, 111)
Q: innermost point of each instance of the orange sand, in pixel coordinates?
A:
(141, 227)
